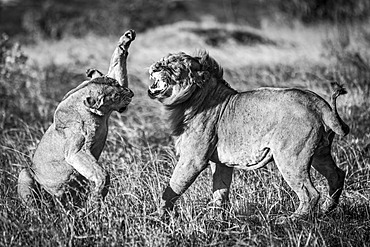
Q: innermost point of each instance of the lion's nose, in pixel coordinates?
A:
(154, 90)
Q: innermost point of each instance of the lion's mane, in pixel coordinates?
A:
(198, 72)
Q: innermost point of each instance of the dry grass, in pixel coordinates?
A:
(139, 153)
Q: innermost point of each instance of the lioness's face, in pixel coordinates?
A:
(117, 98)
(106, 98)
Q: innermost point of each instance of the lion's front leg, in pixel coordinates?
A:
(222, 176)
(186, 171)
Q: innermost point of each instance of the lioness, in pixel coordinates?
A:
(213, 122)
(73, 143)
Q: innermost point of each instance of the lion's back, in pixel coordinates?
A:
(265, 117)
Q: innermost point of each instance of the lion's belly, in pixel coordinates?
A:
(253, 128)
(243, 154)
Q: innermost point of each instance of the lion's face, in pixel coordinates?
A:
(167, 90)
(162, 86)
(174, 78)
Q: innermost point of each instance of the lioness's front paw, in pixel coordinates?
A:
(281, 220)
(126, 39)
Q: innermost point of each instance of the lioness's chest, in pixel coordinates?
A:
(98, 142)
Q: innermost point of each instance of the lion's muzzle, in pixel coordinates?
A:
(159, 86)
(151, 94)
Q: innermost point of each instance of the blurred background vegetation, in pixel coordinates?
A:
(55, 19)
(30, 22)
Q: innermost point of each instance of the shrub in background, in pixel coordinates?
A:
(29, 93)
(55, 19)
(330, 10)
(16, 96)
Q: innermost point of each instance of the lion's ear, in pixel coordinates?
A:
(93, 104)
(205, 75)
(202, 77)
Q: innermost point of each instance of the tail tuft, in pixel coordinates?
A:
(338, 89)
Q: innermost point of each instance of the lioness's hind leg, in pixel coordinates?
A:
(25, 186)
(295, 170)
(323, 162)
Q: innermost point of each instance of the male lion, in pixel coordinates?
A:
(73, 143)
(213, 122)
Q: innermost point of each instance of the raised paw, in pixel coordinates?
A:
(126, 39)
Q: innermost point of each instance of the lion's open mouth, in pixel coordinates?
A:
(156, 91)
(160, 85)
(157, 94)
(152, 95)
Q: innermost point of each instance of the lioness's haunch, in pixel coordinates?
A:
(73, 143)
(214, 123)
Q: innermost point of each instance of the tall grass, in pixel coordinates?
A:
(140, 157)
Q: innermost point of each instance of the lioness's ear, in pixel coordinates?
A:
(93, 73)
(93, 105)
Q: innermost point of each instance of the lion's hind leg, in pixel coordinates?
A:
(295, 170)
(222, 176)
(323, 162)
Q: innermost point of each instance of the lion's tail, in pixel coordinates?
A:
(331, 117)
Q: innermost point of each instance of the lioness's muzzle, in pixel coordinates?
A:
(127, 92)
